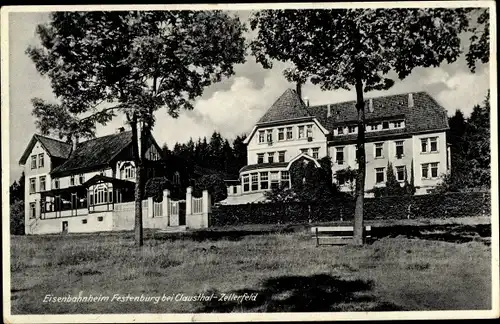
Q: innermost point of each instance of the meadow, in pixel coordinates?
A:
(283, 269)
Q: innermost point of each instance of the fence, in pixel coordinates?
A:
(398, 207)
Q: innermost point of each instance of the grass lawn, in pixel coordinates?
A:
(285, 271)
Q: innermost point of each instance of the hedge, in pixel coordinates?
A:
(460, 204)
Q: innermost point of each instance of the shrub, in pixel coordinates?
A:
(394, 207)
(214, 184)
(17, 217)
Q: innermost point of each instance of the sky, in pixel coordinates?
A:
(230, 107)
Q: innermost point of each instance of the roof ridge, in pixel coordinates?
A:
(50, 138)
(379, 97)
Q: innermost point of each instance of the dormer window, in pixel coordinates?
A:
(352, 129)
(340, 130)
(385, 125)
(398, 124)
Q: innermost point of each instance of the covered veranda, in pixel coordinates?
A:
(98, 194)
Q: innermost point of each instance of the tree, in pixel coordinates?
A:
(16, 192)
(479, 48)
(134, 62)
(214, 184)
(357, 48)
(348, 175)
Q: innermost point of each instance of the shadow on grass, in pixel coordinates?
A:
(445, 233)
(318, 293)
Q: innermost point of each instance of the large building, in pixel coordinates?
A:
(402, 129)
(75, 187)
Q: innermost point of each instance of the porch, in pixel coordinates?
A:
(98, 194)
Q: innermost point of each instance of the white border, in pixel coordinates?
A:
(153, 318)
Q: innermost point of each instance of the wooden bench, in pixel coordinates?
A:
(336, 235)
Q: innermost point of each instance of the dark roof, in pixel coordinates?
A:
(264, 166)
(117, 182)
(94, 153)
(425, 115)
(54, 148)
(288, 106)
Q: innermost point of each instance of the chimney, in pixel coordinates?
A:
(120, 130)
(306, 101)
(410, 100)
(329, 111)
(370, 105)
(74, 142)
(299, 89)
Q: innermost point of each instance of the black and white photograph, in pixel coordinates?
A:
(247, 162)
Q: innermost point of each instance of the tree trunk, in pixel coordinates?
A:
(138, 231)
(360, 179)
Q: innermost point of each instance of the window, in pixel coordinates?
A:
(100, 218)
(379, 175)
(261, 136)
(434, 170)
(32, 185)
(309, 131)
(315, 152)
(260, 158)
(351, 129)
(434, 144)
(289, 133)
(425, 171)
(235, 190)
(101, 195)
(176, 178)
(398, 124)
(400, 173)
(339, 156)
(72, 180)
(269, 135)
(270, 157)
(32, 210)
(102, 172)
(281, 156)
(84, 221)
(379, 150)
(264, 180)
(56, 183)
(340, 179)
(340, 130)
(423, 142)
(275, 180)
(33, 162)
(129, 172)
(246, 183)
(255, 181)
(399, 149)
(81, 179)
(373, 127)
(301, 132)
(42, 183)
(385, 125)
(40, 160)
(304, 150)
(285, 179)
(281, 134)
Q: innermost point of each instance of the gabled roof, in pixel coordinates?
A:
(288, 106)
(94, 153)
(425, 115)
(54, 148)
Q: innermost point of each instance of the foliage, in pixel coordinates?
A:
(281, 195)
(470, 150)
(348, 175)
(219, 156)
(17, 217)
(471, 204)
(155, 186)
(357, 48)
(134, 62)
(479, 48)
(214, 184)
